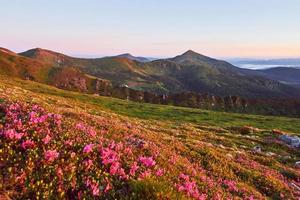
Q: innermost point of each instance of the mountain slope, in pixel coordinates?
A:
(188, 72)
(199, 73)
(45, 67)
(99, 147)
(286, 75)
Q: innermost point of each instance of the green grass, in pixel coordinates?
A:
(165, 112)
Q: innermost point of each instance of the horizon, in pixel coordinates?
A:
(151, 57)
(227, 30)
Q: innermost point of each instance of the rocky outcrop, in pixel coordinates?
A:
(293, 141)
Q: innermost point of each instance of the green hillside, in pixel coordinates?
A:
(162, 112)
(179, 153)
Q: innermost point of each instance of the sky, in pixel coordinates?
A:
(153, 28)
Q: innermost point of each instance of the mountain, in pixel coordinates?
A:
(45, 66)
(199, 73)
(189, 72)
(131, 57)
(287, 75)
(4, 50)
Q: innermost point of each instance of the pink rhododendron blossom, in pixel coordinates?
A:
(80, 126)
(231, 185)
(12, 134)
(68, 142)
(134, 167)
(51, 155)
(28, 144)
(108, 187)
(88, 148)
(160, 172)
(92, 132)
(172, 160)
(114, 168)
(94, 187)
(59, 173)
(147, 161)
(189, 187)
(57, 119)
(88, 164)
(145, 174)
(47, 139)
(128, 151)
(85, 128)
(108, 156)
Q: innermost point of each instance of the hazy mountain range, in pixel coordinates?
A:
(187, 72)
(266, 63)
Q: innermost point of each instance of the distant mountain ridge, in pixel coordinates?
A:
(282, 61)
(131, 57)
(286, 75)
(189, 72)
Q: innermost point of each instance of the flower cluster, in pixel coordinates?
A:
(51, 156)
(189, 187)
(36, 142)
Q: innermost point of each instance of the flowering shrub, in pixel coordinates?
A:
(50, 156)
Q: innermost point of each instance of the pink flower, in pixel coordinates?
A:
(114, 168)
(231, 185)
(160, 172)
(147, 161)
(134, 167)
(57, 119)
(189, 187)
(12, 134)
(145, 174)
(51, 155)
(184, 177)
(108, 156)
(128, 151)
(80, 126)
(172, 160)
(47, 139)
(92, 132)
(68, 142)
(33, 117)
(59, 173)
(28, 144)
(18, 136)
(88, 164)
(108, 187)
(94, 187)
(88, 148)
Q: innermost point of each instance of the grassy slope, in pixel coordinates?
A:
(162, 112)
(182, 132)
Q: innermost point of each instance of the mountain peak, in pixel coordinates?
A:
(191, 53)
(126, 55)
(39, 52)
(131, 57)
(191, 56)
(6, 50)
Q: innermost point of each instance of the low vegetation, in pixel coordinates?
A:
(59, 144)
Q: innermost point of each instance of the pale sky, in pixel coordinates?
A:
(157, 28)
